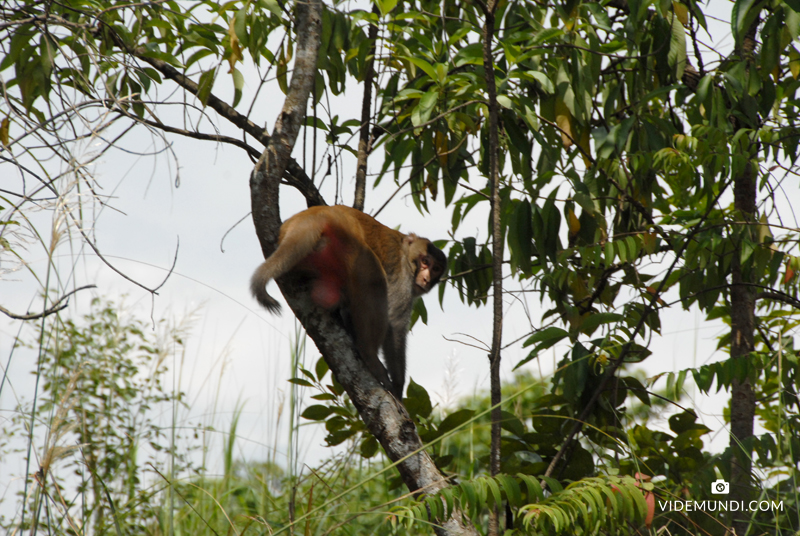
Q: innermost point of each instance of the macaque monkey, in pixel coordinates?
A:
(374, 271)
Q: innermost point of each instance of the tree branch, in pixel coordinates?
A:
(779, 296)
(295, 176)
(47, 312)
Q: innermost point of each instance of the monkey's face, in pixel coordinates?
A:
(429, 271)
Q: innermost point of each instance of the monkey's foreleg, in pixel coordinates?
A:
(394, 353)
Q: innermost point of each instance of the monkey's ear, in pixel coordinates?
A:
(410, 239)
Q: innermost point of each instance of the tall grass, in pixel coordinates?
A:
(102, 463)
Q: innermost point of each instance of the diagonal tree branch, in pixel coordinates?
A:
(384, 416)
(57, 306)
(294, 174)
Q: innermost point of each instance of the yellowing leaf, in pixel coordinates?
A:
(585, 143)
(574, 222)
(236, 48)
(649, 242)
(579, 291)
(681, 12)
(763, 229)
(283, 61)
(440, 141)
(794, 62)
(4, 125)
(564, 122)
(652, 291)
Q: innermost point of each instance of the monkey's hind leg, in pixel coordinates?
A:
(296, 243)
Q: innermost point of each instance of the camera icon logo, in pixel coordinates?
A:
(720, 487)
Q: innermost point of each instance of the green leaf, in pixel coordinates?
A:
(301, 381)
(622, 251)
(321, 368)
(594, 320)
(576, 373)
(469, 55)
(272, 6)
(511, 487)
(495, 497)
(546, 83)
(422, 112)
(609, 253)
(535, 492)
(742, 17)
(4, 137)
(677, 47)
(163, 56)
(456, 419)
(386, 6)
(520, 237)
(316, 122)
(240, 25)
(369, 447)
(281, 71)
(681, 422)
(424, 65)
(637, 389)
(417, 401)
(511, 423)
(547, 337)
(317, 412)
(205, 85)
(238, 84)
(548, 34)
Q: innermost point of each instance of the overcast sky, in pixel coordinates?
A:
(237, 350)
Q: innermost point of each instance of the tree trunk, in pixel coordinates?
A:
(364, 140)
(743, 305)
(497, 254)
(743, 404)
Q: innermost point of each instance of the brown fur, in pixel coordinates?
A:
(375, 271)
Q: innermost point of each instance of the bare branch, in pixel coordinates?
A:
(57, 306)
(781, 297)
(296, 176)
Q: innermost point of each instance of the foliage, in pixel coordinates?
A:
(585, 507)
(102, 389)
(627, 146)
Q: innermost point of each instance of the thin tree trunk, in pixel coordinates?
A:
(497, 253)
(364, 141)
(743, 404)
(743, 305)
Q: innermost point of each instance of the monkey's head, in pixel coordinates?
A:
(430, 263)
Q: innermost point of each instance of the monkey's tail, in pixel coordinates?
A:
(258, 287)
(297, 244)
